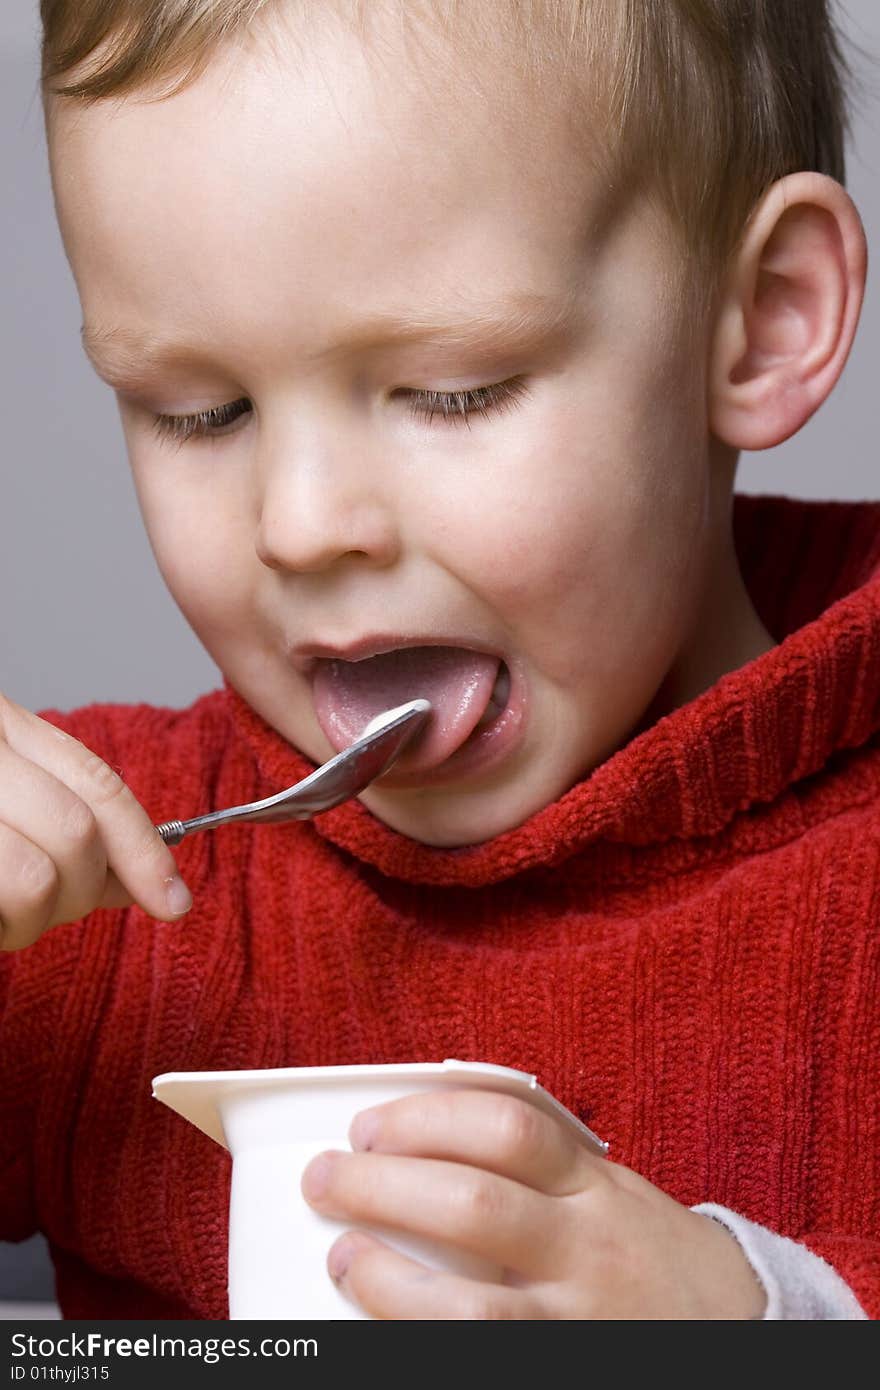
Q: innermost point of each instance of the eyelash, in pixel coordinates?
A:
(179, 429)
(454, 406)
(459, 406)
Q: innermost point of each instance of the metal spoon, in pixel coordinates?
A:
(343, 777)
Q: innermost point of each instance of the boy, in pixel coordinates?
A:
(436, 332)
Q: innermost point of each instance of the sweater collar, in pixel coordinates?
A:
(813, 572)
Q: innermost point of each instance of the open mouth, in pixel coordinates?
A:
(469, 692)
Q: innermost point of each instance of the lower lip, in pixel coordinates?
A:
(481, 750)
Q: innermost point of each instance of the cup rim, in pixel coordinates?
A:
(197, 1095)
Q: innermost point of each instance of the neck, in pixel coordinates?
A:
(726, 632)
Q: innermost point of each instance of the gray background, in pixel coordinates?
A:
(85, 615)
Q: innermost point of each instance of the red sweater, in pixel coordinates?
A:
(684, 948)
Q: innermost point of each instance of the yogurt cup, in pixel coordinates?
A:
(273, 1122)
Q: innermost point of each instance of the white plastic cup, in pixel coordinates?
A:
(274, 1122)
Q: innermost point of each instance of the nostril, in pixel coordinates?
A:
(303, 540)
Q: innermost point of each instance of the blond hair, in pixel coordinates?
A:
(707, 101)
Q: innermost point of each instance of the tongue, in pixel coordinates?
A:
(458, 683)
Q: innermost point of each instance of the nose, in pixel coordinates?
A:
(321, 500)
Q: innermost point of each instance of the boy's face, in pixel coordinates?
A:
(271, 232)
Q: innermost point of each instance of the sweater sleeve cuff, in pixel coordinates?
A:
(799, 1285)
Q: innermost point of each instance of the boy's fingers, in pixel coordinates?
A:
(492, 1217)
(499, 1133)
(390, 1285)
(134, 849)
(115, 893)
(63, 868)
(28, 889)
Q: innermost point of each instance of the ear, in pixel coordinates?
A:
(787, 312)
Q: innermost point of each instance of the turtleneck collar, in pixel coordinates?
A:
(813, 572)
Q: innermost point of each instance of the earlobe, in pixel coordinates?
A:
(787, 313)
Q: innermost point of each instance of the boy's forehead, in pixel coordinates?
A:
(376, 105)
(293, 164)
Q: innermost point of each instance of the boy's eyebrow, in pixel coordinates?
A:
(521, 320)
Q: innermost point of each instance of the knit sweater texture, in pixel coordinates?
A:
(684, 948)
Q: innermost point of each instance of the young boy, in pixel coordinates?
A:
(436, 332)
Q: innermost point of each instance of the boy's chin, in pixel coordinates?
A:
(449, 818)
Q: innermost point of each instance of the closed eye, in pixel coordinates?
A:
(206, 423)
(458, 406)
(455, 407)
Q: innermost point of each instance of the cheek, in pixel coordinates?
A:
(197, 529)
(582, 530)
(566, 506)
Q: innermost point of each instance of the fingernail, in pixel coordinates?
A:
(177, 896)
(364, 1129)
(339, 1259)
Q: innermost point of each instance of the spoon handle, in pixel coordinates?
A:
(172, 831)
(285, 807)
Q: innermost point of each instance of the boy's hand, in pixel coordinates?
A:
(72, 835)
(577, 1235)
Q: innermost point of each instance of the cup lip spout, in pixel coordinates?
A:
(199, 1096)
